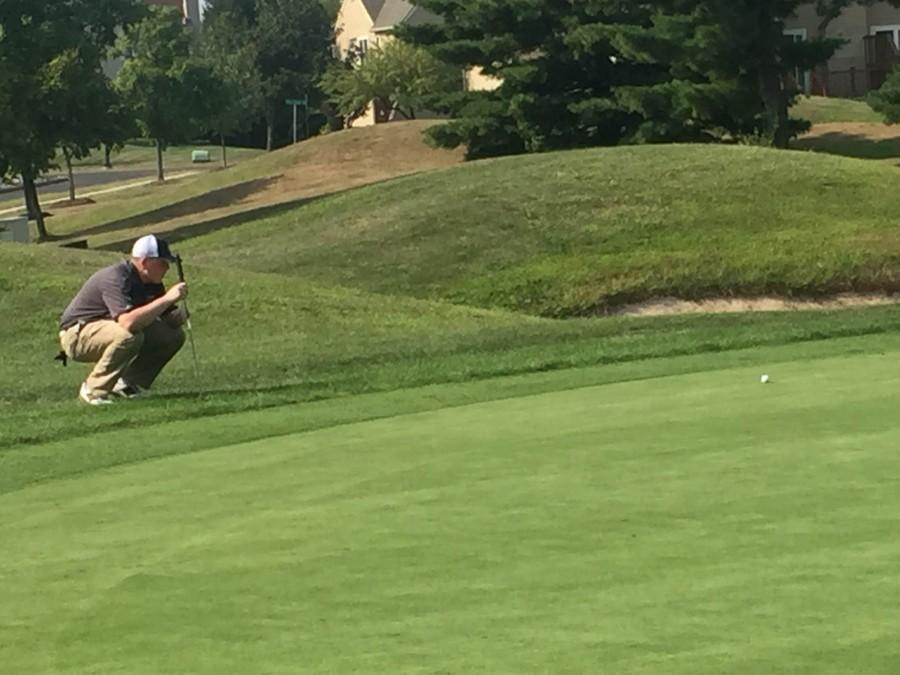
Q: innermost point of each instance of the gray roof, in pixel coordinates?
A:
(373, 7)
(395, 12)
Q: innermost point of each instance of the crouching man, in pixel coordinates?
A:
(126, 323)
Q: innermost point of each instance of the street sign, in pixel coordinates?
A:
(294, 102)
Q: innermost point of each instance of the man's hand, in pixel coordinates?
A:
(177, 292)
(140, 317)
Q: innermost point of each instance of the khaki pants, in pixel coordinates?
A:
(138, 357)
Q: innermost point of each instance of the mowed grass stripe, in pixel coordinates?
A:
(263, 342)
(692, 524)
(180, 433)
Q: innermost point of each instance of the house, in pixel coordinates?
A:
(862, 64)
(367, 24)
(364, 24)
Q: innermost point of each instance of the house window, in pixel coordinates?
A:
(358, 48)
(892, 30)
(801, 77)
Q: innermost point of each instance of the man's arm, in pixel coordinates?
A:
(139, 318)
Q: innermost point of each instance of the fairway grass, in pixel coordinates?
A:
(677, 522)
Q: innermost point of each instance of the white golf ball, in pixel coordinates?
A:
(764, 379)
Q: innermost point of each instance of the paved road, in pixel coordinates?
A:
(83, 182)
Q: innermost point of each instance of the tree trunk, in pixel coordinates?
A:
(270, 133)
(771, 88)
(224, 152)
(71, 173)
(160, 176)
(28, 192)
(771, 82)
(107, 162)
(34, 206)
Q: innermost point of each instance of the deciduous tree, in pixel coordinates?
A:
(239, 98)
(173, 96)
(397, 77)
(36, 38)
(289, 41)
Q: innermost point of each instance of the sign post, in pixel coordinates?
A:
(294, 102)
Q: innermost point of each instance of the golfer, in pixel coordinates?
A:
(126, 323)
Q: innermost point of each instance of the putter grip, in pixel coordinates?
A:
(187, 312)
(180, 268)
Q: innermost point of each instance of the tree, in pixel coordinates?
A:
(886, 100)
(688, 88)
(120, 125)
(293, 40)
(84, 105)
(603, 72)
(553, 93)
(36, 39)
(239, 99)
(398, 77)
(760, 47)
(289, 41)
(172, 95)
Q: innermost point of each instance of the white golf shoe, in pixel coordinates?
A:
(126, 389)
(92, 399)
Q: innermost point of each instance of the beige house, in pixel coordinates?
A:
(873, 36)
(367, 24)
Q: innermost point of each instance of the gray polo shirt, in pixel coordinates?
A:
(109, 292)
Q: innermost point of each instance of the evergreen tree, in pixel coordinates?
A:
(694, 92)
(552, 94)
(592, 72)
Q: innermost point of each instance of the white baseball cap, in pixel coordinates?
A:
(151, 246)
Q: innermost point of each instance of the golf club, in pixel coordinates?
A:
(187, 316)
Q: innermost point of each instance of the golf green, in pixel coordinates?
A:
(699, 523)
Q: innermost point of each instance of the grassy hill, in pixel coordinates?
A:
(319, 166)
(827, 110)
(846, 127)
(580, 233)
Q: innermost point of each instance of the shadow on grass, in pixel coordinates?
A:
(851, 145)
(205, 227)
(183, 232)
(209, 200)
